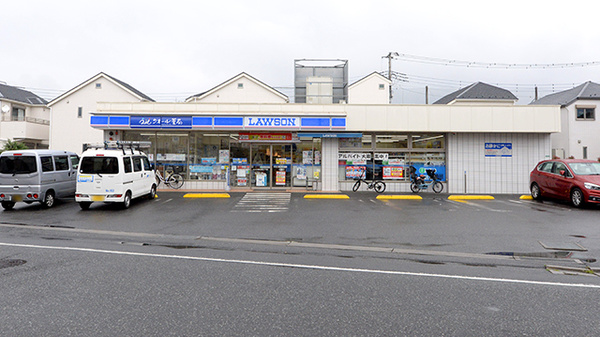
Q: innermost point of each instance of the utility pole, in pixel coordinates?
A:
(390, 57)
(426, 94)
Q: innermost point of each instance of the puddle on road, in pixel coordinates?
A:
(7, 263)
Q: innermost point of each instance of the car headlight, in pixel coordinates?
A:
(591, 186)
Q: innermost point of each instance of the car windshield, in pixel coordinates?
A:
(18, 164)
(584, 169)
(102, 165)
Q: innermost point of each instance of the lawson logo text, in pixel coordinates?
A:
(272, 121)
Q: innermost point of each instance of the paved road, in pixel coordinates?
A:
(285, 265)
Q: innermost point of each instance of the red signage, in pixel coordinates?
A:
(265, 137)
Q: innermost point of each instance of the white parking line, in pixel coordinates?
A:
(304, 266)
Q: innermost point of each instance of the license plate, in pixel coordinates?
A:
(17, 198)
(97, 198)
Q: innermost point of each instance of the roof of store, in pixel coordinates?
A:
(478, 91)
(587, 90)
(20, 95)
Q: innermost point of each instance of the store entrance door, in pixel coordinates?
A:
(271, 165)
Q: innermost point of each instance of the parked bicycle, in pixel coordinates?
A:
(418, 182)
(173, 180)
(377, 185)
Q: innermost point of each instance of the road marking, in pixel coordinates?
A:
(263, 202)
(305, 266)
(206, 195)
(326, 196)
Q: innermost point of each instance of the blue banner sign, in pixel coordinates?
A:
(160, 122)
(498, 149)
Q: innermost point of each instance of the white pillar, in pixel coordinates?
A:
(329, 165)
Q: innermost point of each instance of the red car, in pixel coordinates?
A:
(577, 180)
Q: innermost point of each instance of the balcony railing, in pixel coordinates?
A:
(26, 119)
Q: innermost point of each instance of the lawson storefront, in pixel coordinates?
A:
(219, 152)
(473, 149)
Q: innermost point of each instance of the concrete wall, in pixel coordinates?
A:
(470, 171)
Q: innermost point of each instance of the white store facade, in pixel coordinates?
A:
(273, 146)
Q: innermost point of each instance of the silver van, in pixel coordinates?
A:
(37, 175)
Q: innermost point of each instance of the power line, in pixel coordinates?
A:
(475, 64)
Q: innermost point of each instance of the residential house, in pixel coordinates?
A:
(25, 117)
(479, 93)
(70, 112)
(579, 127)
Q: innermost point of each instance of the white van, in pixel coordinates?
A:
(114, 173)
(36, 175)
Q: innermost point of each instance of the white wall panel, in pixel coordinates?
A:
(466, 162)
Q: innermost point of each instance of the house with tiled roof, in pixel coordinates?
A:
(479, 93)
(25, 117)
(71, 111)
(579, 126)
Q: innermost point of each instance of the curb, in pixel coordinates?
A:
(399, 197)
(326, 196)
(206, 195)
(470, 197)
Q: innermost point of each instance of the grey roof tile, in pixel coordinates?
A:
(587, 90)
(478, 90)
(20, 95)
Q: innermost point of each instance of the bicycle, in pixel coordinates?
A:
(377, 185)
(173, 180)
(418, 182)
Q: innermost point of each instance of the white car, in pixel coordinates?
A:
(114, 175)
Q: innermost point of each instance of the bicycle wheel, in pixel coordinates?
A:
(437, 187)
(175, 180)
(414, 187)
(379, 186)
(356, 186)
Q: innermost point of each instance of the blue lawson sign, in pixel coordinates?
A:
(498, 149)
(162, 122)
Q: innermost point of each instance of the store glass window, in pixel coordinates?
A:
(391, 141)
(172, 153)
(209, 156)
(356, 143)
(428, 160)
(428, 141)
(306, 162)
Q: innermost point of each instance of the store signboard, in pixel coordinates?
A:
(265, 137)
(272, 122)
(498, 149)
(162, 122)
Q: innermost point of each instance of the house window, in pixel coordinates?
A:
(98, 85)
(79, 112)
(240, 85)
(381, 86)
(586, 113)
(18, 114)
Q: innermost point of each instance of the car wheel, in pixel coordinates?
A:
(127, 200)
(577, 197)
(8, 205)
(535, 192)
(152, 194)
(49, 200)
(85, 205)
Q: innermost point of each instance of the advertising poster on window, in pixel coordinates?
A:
(223, 156)
(439, 171)
(280, 177)
(355, 172)
(301, 172)
(393, 172)
(307, 157)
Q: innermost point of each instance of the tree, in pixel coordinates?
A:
(13, 145)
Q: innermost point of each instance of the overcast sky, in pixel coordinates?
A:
(172, 49)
